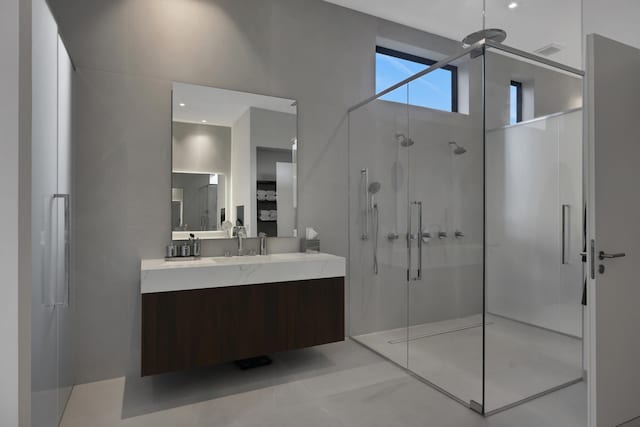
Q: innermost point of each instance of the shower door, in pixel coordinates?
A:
(379, 208)
(445, 291)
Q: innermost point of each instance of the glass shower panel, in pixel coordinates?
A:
(378, 186)
(447, 218)
(534, 210)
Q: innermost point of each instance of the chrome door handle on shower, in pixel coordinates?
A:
(418, 237)
(364, 180)
(67, 246)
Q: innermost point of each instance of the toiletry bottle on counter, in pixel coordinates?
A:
(196, 247)
(185, 250)
(172, 250)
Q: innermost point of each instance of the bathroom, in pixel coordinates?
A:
(205, 145)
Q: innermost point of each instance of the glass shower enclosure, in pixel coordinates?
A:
(465, 228)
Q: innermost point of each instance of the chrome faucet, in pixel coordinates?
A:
(263, 243)
(241, 233)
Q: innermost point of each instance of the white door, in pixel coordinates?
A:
(44, 323)
(613, 71)
(63, 241)
(51, 328)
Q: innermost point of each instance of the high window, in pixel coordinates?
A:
(515, 102)
(437, 90)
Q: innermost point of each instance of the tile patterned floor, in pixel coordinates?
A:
(522, 360)
(340, 384)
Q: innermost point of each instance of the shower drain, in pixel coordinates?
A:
(400, 341)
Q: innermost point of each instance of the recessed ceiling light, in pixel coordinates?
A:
(204, 121)
(182, 104)
(512, 5)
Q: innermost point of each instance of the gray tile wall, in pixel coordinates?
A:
(128, 52)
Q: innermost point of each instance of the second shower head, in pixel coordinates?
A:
(457, 149)
(403, 140)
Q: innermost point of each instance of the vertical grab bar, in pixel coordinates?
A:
(67, 246)
(364, 179)
(565, 233)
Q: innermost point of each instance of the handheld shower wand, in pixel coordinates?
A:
(374, 187)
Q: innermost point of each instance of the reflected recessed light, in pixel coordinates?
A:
(204, 121)
(182, 104)
(512, 5)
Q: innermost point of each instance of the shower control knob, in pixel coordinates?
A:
(393, 236)
(459, 234)
(442, 234)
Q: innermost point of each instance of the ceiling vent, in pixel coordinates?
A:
(549, 49)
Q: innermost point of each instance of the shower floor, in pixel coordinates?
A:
(522, 361)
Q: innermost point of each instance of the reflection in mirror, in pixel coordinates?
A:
(234, 163)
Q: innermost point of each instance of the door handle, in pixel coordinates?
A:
(565, 234)
(419, 276)
(67, 246)
(603, 255)
(364, 182)
(414, 236)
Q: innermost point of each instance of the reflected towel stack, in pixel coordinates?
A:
(268, 215)
(269, 195)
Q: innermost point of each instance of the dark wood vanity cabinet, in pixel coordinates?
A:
(193, 328)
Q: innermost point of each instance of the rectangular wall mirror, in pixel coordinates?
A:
(233, 164)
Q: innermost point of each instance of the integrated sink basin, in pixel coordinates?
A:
(159, 275)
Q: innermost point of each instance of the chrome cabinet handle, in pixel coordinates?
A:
(603, 255)
(67, 245)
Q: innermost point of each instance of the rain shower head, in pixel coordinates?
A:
(494, 34)
(457, 149)
(403, 140)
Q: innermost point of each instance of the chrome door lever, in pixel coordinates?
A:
(603, 255)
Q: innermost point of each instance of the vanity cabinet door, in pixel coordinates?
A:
(201, 327)
(315, 313)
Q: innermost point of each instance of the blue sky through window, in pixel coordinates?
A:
(513, 104)
(432, 91)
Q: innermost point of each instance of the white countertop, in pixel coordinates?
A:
(159, 275)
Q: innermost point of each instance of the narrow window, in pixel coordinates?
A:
(438, 89)
(515, 102)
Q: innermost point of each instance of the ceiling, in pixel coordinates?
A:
(531, 25)
(220, 107)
